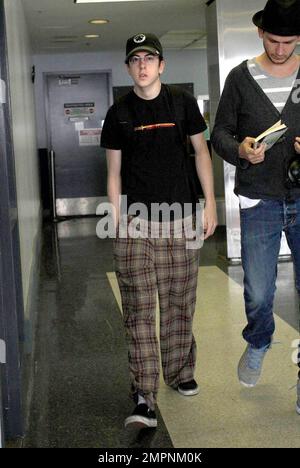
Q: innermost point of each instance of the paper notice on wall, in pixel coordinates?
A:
(2, 92)
(89, 137)
(79, 126)
(2, 352)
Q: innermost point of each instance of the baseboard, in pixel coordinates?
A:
(31, 315)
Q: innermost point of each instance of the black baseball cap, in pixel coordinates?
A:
(143, 41)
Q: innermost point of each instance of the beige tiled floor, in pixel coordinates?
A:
(225, 414)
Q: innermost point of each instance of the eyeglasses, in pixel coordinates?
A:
(147, 59)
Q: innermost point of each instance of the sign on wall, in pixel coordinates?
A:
(79, 109)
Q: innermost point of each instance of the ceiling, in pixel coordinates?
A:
(59, 26)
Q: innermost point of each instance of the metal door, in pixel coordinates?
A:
(77, 107)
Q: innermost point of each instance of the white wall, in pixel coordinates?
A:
(24, 136)
(181, 67)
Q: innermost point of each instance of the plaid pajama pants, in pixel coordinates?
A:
(145, 267)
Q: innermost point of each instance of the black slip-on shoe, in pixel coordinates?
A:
(188, 388)
(142, 416)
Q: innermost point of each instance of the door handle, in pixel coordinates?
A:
(53, 184)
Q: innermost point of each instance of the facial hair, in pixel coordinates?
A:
(280, 63)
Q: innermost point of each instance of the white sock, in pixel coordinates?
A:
(141, 400)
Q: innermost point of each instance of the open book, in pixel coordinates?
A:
(271, 135)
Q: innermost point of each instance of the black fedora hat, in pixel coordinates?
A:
(279, 17)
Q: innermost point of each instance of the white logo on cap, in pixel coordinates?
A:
(139, 38)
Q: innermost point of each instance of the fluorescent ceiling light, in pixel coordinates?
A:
(91, 36)
(99, 21)
(107, 1)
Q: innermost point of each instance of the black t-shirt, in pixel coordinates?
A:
(154, 168)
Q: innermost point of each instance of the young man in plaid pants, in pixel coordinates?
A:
(147, 164)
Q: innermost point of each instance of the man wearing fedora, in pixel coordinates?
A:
(258, 93)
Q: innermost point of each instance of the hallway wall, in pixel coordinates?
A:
(24, 138)
(181, 66)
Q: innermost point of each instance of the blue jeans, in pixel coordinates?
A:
(261, 230)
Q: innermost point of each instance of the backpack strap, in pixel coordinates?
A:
(177, 107)
(176, 104)
(125, 116)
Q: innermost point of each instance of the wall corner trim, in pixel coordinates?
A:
(2, 92)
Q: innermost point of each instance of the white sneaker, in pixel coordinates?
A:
(250, 365)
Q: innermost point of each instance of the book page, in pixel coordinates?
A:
(276, 127)
(273, 137)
